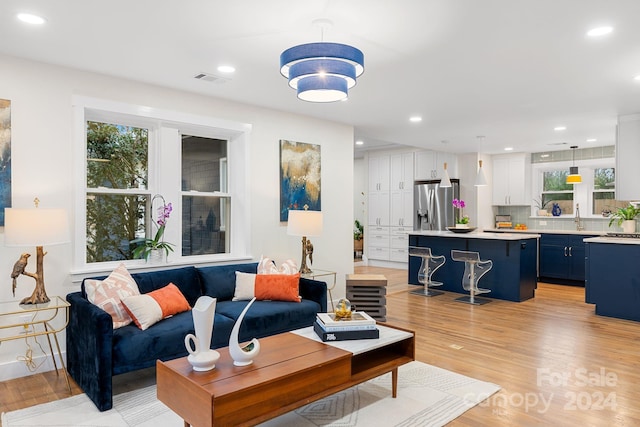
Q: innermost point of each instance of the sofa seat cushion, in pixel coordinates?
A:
(134, 348)
(266, 318)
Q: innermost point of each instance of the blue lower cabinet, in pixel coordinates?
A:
(512, 278)
(613, 279)
(562, 257)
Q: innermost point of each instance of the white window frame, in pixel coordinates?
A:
(165, 128)
(583, 192)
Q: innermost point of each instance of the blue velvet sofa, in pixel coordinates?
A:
(96, 352)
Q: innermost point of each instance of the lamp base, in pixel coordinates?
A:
(307, 249)
(39, 295)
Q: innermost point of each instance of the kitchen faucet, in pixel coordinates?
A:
(577, 219)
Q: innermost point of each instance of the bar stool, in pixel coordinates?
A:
(430, 263)
(474, 269)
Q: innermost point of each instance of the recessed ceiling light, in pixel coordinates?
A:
(544, 156)
(227, 69)
(560, 128)
(30, 18)
(591, 140)
(359, 142)
(637, 77)
(508, 148)
(415, 119)
(599, 31)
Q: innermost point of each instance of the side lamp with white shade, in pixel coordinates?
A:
(305, 223)
(35, 227)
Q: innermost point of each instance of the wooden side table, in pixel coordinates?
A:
(368, 293)
(34, 320)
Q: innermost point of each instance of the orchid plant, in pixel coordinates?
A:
(461, 218)
(148, 245)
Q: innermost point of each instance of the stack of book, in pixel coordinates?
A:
(359, 326)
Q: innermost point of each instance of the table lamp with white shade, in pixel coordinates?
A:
(305, 223)
(34, 227)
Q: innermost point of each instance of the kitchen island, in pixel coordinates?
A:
(613, 276)
(514, 255)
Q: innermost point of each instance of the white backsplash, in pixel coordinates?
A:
(522, 215)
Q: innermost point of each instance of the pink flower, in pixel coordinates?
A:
(458, 204)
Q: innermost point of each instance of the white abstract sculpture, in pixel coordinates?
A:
(242, 356)
(201, 357)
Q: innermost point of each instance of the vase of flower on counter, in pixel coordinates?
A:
(462, 220)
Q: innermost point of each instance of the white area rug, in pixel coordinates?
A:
(427, 396)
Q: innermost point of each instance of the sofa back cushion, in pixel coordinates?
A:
(186, 279)
(220, 281)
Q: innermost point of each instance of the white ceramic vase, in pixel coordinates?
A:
(242, 356)
(629, 226)
(201, 357)
(157, 256)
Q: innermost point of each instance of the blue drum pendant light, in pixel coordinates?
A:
(322, 72)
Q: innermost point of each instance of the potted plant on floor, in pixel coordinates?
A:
(358, 232)
(625, 218)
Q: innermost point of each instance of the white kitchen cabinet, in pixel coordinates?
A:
(402, 172)
(430, 165)
(399, 243)
(511, 180)
(401, 208)
(379, 174)
(378, 209)
(390, 203)
(378, 243)
(627, 155)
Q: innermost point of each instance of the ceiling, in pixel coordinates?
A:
(509, 70)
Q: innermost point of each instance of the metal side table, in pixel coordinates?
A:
(319, 273)
(20, 321)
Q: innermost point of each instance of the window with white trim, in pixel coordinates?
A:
(131, 153)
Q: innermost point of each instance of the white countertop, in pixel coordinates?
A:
(530, 230)
(613, 240)
(475, 235)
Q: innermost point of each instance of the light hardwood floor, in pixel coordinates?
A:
(557, 362)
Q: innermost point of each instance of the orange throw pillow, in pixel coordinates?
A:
(274, 287)
(148, 309)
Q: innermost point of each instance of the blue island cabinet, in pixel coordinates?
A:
(514, 272)
(613, 277)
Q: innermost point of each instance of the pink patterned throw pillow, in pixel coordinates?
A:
(109, 293)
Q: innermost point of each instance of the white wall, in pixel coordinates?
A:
(42, 163)
(478, 199)
(360, 189)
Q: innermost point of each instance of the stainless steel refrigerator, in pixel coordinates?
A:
(432, 205)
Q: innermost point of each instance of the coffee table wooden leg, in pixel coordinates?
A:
(394, 383)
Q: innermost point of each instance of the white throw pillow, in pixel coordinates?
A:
(109, 293)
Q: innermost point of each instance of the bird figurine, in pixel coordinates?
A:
(18, 269)
(309, 251)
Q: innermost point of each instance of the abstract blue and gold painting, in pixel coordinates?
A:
(299, 177)
(5, 157)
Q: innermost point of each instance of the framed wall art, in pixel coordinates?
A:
(5, 157)
(299, 177)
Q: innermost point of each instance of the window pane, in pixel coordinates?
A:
(556, 181)
(205, 225)
(116, 156)
(113, 223)
(564, 200)
(202, 160)
(604, 179)
(604, 201)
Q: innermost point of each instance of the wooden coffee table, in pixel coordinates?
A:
(292, 370)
